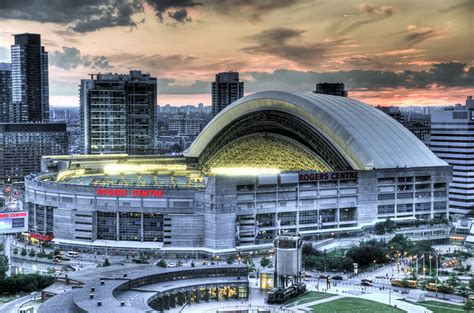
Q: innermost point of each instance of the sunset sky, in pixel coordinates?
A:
(400, 52)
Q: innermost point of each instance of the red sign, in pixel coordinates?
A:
(318, 176)
(142, 193)
(42, 237)
(16, 214)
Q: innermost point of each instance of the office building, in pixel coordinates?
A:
(452, 130)
(272, 161)
(335, 89)
(30, 90)
(185, 124)
(226, 89)
(5, 91)
(118, 113)
(23, 144)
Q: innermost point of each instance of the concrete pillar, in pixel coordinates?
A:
(207, 294)
(166, 302)
(172, 300)
(198, 295)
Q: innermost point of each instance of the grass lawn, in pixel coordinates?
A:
(336, 253)
(355, 305)
(441, 307)
(309, 297)
(5, 299)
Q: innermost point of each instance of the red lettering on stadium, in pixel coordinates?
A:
(143, 193)
(9, 215)
(318, 176)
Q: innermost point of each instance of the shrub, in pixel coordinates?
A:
(264, 262)
(32, 253)
(106, 262)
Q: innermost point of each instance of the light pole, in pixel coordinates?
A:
(431, 256)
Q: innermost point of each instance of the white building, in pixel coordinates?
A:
(452, 139)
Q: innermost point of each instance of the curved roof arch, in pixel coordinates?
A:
(364, 136)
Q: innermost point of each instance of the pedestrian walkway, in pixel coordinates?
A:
(306, 307)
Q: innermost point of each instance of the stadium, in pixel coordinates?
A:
(298, 162)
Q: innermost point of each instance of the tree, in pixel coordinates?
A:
(32, 253)
(264, 262)
(106, 262)
(3, 267)
(309, 250)
(176, 148)
(404, 284)
(463, 291)
(161, 263)
(468, 305)
(453, 280)
(230, 259)
(23, 252)
(471, 283)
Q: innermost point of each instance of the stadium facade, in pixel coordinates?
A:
(299, 162)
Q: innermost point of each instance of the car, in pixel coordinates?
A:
(323, 276)
(72, 254)
(337, 277)
(366, 282)
(57, 260)
(172, 265)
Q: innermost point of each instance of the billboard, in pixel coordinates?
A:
(13, 222)
(13, 219)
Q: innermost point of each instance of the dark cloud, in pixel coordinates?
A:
(251, 9)
(175, 9)
(280, 42)
(71, 58)
(169, 86)
(451, 74)
(367, 14)
(78, 15)
(180, 16)
(414, 35)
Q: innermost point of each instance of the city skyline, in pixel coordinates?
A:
(387, 53)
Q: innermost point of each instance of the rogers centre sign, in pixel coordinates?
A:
(318, 176)
(142, 193)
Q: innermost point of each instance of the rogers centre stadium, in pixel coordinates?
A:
(299, 162)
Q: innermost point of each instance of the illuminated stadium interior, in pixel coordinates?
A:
(266, 151)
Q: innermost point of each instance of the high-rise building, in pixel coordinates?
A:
(30, 90)
(335, 89)
(23, 144)
(185, 124)
(226, 89)
(5, 91)
(452, 130)
(118, 113)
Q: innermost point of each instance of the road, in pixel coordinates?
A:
(14, 306)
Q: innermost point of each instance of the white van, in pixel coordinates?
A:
(72, 254)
